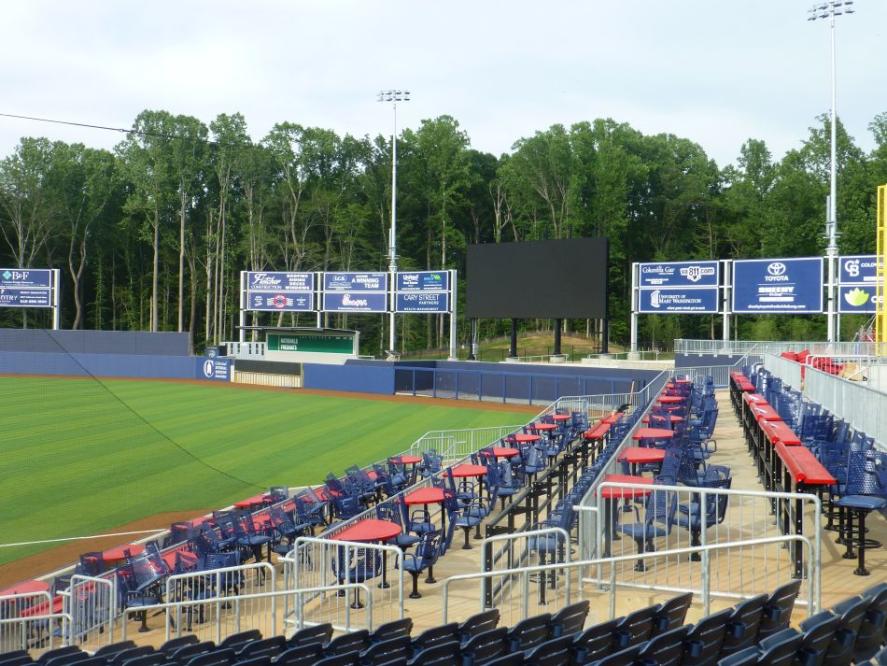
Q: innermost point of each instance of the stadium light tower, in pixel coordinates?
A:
(829, 10)
(393, 96)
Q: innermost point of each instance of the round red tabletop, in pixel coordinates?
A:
(502, 452)
(562, 417)
(523, 438)
(250, 501)
(25, 587)
(465, 471)
(405, 460)
(369, 530)
(612, 492)
(670, 399)
(425, 496)
(674, 418)
(116, 554)
(545, 426)
(652, 433)
(641, 455)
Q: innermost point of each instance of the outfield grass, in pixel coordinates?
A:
(82, 457)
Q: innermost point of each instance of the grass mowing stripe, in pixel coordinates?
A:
(78, 461)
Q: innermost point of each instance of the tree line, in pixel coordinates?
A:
(152, 235)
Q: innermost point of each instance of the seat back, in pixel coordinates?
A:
(635, 628)
(390, 630)
(554, 652)
(704, 640)
(780, 649)
(485, 646)
(238, 639)
(174, 644)
(666, 649)
(672, 613)
(131, 653)
(529, 633)
(569, 619)
(356, 641)
(439, 654)
(742, 628)
(317, 635)
(108, 650)
(851, 613)
(153, 659)
(477, 624)
(778, 609)
(215, 658)
(301, 655)
(446, 633)
(596, 642)
(818, 632)
(386, 651)
(871, 634)
(265, 647)
(626, 657)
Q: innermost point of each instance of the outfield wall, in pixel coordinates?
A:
(94, 342)
(102, 365)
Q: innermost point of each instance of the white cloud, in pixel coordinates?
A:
(714, 72)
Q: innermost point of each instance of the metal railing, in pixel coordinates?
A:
(455, 445)
(861, 406)
(316, 571)
(684, 346)
(567, 582)
(786, 369)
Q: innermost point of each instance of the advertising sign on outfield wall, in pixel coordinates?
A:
(695, 301)
(278, 291)
(857, 280)
(777, 286)
(680, 274)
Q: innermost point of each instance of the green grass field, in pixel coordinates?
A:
(81, 457)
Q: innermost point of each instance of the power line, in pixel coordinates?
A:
(108, 128)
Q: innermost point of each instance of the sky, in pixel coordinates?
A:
(713, 71)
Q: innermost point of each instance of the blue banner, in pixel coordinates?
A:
(680, 274)
(696, 301)
(777, 286)
(342, 282)
(857, 299)
(423, 281)
(858, 270)
(273, 291)
(25, 277)
(215, 369)
(287, 302)
(422, 302)
(355, 302)
(14, 297)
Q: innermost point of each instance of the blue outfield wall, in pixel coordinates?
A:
(102, 365)
(510, 382)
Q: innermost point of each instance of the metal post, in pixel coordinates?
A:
(726, 295)
(453, 314)
(56, 310)
(830, 10)
(393, 96)
(242, 334)
(512, 347)
(634, 309)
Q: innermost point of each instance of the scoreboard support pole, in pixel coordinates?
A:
(56, 310)
(633, 346)
(454, 309)
(241, 335)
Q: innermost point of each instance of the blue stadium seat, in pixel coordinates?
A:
(672, 613)
(529, 633)
(777, 612)
(666, 649)
(780, 649)
(742, 627)
(484, 647)
(704, 641)
(317, 635)
(818, 630)
(872, 630)
(569, 619)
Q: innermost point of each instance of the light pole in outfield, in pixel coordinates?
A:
(393, 96)
(829, 10)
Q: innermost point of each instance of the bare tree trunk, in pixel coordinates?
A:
(156, 271)
(181, 256)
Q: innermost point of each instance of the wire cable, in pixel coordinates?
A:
(150, 425)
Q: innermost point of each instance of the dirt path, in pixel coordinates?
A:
(68, 552)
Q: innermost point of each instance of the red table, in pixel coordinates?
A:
(545, 427)
(405, 460)
(426, 496)
(674, 418)
(523, 438)
(652, 433)
(26, 587)
(597, 432)
(116, 554)
(369, 530)
(612, 419)
(465, 471)
(764, 412)
(249, 502)
(502, 452)
(639, 455)
(562, 417)
(671, 399)
(610, 493)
